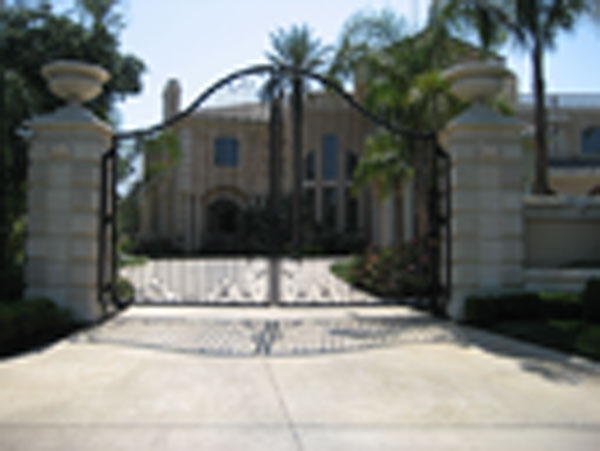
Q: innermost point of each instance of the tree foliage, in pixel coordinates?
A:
(295, 47)
(30, 38)
(534, 26)
(397, 76)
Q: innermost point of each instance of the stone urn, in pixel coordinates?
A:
(475, 81)
(74, 81)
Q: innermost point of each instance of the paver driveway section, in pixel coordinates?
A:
(240, 281)
(427, 385)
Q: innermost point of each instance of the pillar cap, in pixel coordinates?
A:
(70, 117)
(476, 80)
(75, 81)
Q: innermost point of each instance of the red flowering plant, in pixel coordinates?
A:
(392, 271)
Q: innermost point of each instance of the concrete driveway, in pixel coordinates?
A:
(295, 379)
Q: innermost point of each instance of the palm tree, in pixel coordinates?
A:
(101, 13)
(399, 79)
(534, 25)
(298, 49)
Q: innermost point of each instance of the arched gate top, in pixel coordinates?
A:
(280, 71)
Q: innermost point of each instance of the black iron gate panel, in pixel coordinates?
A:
(250, 202)
(107, 242)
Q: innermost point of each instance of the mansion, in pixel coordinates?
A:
(223, 167)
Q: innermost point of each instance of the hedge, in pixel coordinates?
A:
(31, 323)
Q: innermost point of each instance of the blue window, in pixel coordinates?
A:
(227, 152)
(590, 141)
(330, 157)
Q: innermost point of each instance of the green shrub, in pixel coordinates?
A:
(591, 301)
(561, 305)
(125, 290)
(31, 323)
(481, 310)
(520, 306)
(486, 310)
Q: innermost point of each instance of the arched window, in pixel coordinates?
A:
(590, 141)
(227, 152)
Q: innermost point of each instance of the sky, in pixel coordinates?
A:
(199, 41)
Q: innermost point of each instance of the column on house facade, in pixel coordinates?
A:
(388, 223)
(487, 207)
(375, 217)
(65, 154)
(184, 190)
(198, 227)
(408, 210)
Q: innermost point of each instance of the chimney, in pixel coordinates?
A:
(171, 98)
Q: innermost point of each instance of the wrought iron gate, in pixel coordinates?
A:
(271, 225)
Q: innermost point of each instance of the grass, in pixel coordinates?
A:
(343, 270)
(132, 260)
(572, 336)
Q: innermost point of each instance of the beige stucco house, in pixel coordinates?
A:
(223, 167)
(573, 140)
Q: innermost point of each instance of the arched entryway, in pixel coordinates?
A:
(223, 225)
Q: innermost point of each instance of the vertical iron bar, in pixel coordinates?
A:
(102, 230)
(448, 227)
(7, 184)
(113, 234)
(416, 209)
(275, 146)
(433, 230)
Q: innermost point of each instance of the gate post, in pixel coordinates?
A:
(63, 185)
(487, 189)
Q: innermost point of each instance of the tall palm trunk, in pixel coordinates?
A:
(540, 185)
(297, 162)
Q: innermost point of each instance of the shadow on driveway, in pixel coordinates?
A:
(309, 335)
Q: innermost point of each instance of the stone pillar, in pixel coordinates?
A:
(63, 193)
(487, 201)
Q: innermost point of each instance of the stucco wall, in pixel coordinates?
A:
(561, 231)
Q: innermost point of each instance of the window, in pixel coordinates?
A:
(330, 156)
(227, 152)
(351, 211)
(309, 202)
(330, 207)
(351, 161)
(590, 141)
(310, 168)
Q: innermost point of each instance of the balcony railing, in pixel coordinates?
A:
(591, 162)
(565, 100)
